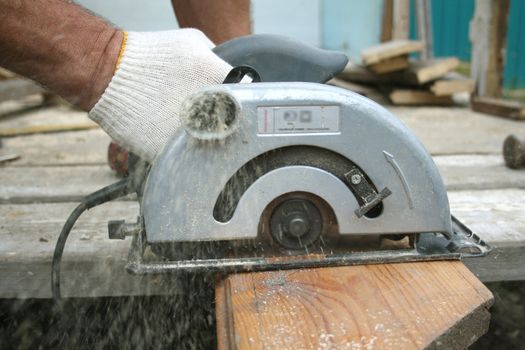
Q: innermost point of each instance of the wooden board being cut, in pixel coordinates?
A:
(392, 306)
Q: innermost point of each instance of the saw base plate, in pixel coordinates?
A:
(427, 246)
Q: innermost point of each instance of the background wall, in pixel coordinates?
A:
(345, 25)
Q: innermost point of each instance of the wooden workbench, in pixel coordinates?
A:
(55, 170)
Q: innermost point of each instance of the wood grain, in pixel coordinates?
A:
(392, 306)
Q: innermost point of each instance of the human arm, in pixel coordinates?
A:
(59, 45)
(219, 20)
(75, 54)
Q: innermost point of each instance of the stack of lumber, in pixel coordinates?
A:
(404, 81)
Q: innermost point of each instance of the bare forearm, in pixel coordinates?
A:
(60, 45)
(219, 20)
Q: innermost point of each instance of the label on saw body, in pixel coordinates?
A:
(298, 120)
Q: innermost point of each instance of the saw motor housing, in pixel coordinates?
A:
(299, 160)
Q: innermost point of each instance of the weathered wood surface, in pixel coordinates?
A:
(52, 128)
(390, 49)
(452, 83)
(488, 29)
(401, 19)
(393, 306)
(393, 64)
(42, 117)
(421, 72)
(498, 216)
(498, 107)
(67, 148)
(442, 130)
(16, 88)
(28, 233)
(418, 98)
(417, 74)
(30, 184)
(52, 183)
(478, 172)
(457, 130)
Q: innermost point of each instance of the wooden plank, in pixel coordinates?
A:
(52, 183)
(390, 49)
(364, 90)
(52, 128)
(442, 131)
(5, 74)
(393, 64)
(43, 117)
(497, 216)
(401, 19)
(421, 72)
(457, 130)
(68, 148)
(94, 265)
(387, 20)
(478, 172)
(452, 83)
(418, 98)
(398, 306)
(488, 34)
(16, 88)
(424, 27)
(498, 107)
(358, 88)
(44, 184)
(359, 74)
(15, 108)
(418, 73)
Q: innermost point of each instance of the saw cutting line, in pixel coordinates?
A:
(390, 159)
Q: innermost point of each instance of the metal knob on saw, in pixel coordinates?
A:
(296, 223)
(210, 115)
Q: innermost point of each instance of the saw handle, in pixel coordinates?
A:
(277, 58)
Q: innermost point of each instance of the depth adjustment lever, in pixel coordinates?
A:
(364, 191)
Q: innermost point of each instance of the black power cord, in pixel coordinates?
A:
(106, 194)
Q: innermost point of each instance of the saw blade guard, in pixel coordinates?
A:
(287, 138)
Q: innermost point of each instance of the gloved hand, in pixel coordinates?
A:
(156, 72)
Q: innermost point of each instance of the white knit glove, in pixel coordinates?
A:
(158, 70)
